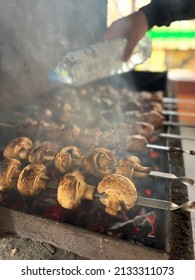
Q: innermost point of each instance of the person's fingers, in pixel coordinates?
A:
(128, 50)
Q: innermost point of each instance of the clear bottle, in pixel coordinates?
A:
(100, 60)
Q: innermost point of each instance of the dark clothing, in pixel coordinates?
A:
(163, 12)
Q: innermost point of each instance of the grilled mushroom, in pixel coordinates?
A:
(130, 167)
(135, 143)
(68, 159)
(117, 192)
(99, 162)
(73, 189)
(9, 172)
(33, 179)
(143, 128)
(43, 153)
(19, 148)
(154, 118)
(89, 138)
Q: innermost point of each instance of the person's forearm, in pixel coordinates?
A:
(163, 12)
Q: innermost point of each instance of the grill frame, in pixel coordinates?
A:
(92, 245)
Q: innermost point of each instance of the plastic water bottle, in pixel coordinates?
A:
(100, 60)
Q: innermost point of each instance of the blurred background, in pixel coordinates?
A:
(173, 46)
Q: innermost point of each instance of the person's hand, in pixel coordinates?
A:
(132, 27)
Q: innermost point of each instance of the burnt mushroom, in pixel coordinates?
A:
(118, 192)
(68, 159)
(9, 173)
(43, 153)
(130, 167)
(99, 162)
(32, 180)
(19, 148)
(72, 189)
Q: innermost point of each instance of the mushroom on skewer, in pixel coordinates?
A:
(135, 143)
(43, 153)
(130, 167)
(68, 159)
(117, 192)
(152, 117)
(73, 189)
(99, 162)
(32, 180)
(19, 148)
(9, 173)
(143, 128)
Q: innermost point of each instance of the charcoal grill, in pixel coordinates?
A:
(173, 234)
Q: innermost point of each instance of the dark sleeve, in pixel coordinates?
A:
(163, 12)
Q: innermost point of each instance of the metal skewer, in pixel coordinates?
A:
(170, 149)
(170, 123)
(186, 181)
(175, 100)
(168, 106)
(175, 136)
(174, 113)
(164, 204)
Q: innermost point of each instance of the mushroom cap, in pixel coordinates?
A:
(130, 167)
(72, 189)
(119, 191)
(154, 118)
(43, 153)
(126, 167)
(68, 159)
(136, 143)
(9, 173)
(19, 148)
(99, 162)
(33, 179)
(145, 129)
